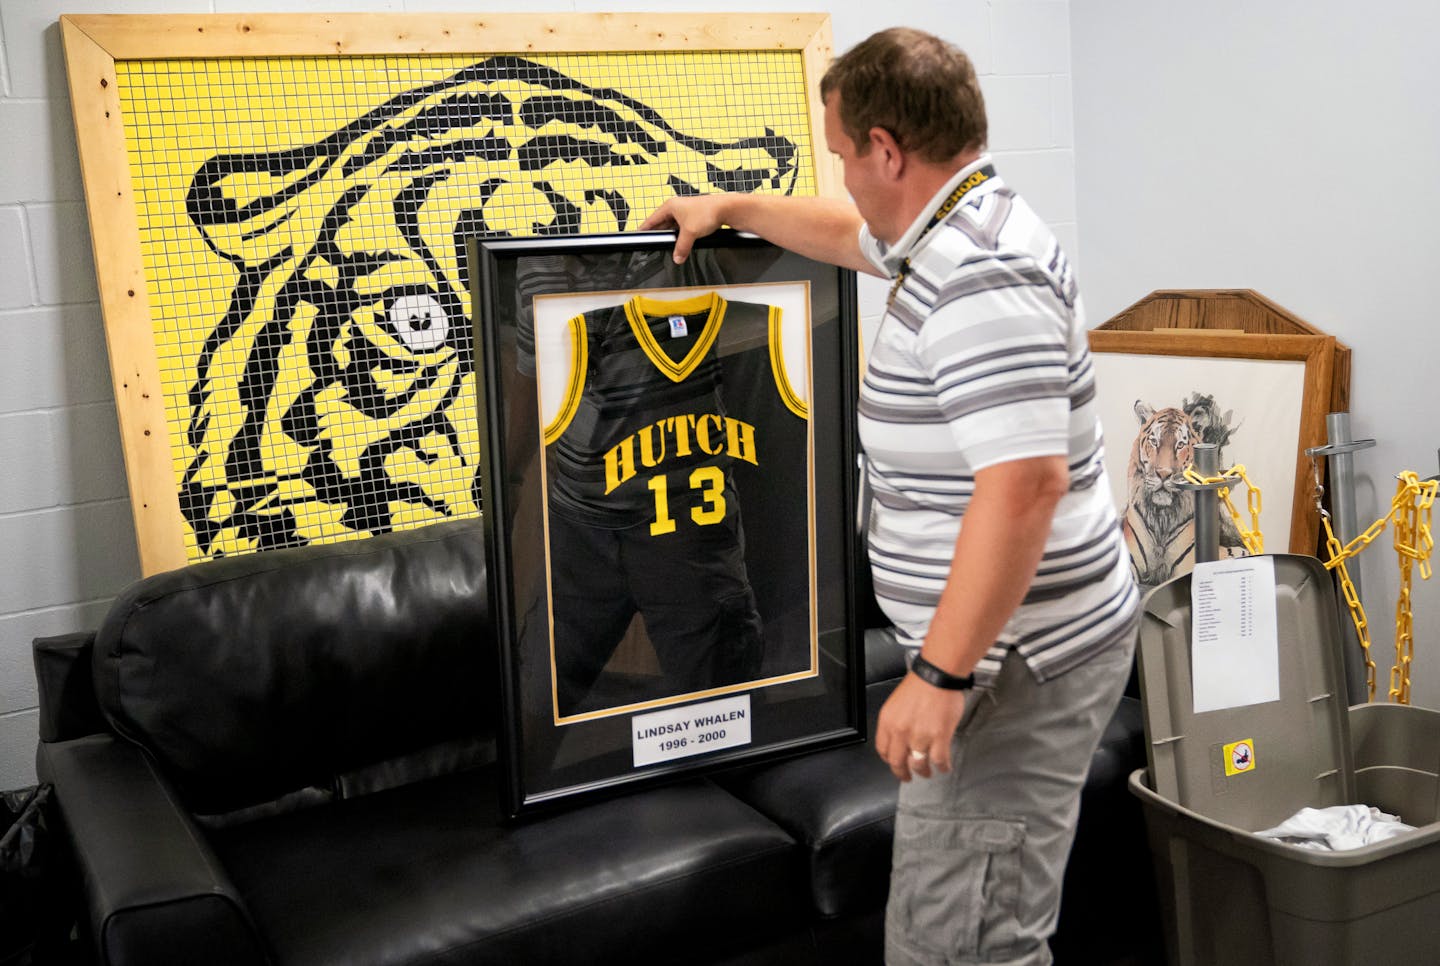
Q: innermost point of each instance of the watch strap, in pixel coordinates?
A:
(931, 674)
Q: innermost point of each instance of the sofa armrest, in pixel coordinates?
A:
(155, 891)
(68, 707)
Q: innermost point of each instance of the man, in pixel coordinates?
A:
(994, 545)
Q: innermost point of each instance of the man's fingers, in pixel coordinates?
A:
(684, 241)
(891, 748)
(940, 756)
(659, 218)
(940, 753)
(918, 760)
(905, 756)
(663, 218)
(899, 764)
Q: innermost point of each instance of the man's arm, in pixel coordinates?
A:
(820, 228)
(1001, 542)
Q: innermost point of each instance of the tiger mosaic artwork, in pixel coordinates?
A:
(330, 390)
(1159, 518)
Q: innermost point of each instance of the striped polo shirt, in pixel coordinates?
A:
(982, 358)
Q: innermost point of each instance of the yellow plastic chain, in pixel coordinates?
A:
(1411, 511)
(1413, 544)
(1252, 538)
(1338, 555)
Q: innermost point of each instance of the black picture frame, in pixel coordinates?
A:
(741, 425)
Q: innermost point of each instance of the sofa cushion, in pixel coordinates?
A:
(428, 873)
(840, 805)
(255, 676)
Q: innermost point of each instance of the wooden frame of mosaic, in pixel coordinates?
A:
(97, 47)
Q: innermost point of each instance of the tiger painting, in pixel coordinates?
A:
(1159, 520)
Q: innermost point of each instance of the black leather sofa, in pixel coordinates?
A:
(290, 758)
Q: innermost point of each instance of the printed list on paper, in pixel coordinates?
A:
(1234, 647)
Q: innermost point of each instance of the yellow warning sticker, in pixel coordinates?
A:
(1239, 756)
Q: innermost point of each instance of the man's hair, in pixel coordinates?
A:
(914, 85)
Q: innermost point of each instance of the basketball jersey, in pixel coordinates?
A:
(665, 400)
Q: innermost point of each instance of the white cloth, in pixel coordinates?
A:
(1337, 828)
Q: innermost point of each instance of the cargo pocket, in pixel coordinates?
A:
(955, 886)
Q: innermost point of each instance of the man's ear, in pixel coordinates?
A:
(891, 155)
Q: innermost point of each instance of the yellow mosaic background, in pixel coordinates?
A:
(317, 369)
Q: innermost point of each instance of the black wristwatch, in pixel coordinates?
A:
(931, 674)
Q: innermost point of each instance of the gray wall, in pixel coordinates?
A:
(65, 526)
(1291, 148)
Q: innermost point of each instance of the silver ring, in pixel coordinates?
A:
(917, 755)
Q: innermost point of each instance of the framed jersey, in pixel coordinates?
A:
(667, 466)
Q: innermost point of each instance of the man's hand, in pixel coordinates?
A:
(691, 218)
(824, 229)
(922, 718)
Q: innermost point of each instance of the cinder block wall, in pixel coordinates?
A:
(1289, 148)
(66, 539)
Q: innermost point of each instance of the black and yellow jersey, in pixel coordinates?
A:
(664, 401)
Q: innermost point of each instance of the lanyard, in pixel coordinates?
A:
(863, 504)
(976, 179)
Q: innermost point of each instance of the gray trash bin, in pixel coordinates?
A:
(1230, 897)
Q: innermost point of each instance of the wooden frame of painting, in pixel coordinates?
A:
(1261, 399)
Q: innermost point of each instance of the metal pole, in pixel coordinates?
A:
(1207, 505)
(1340, 471)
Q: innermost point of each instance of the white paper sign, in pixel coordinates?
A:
(1234, 647)
(690, 730)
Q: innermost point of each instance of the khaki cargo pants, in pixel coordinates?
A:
(980, 851)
